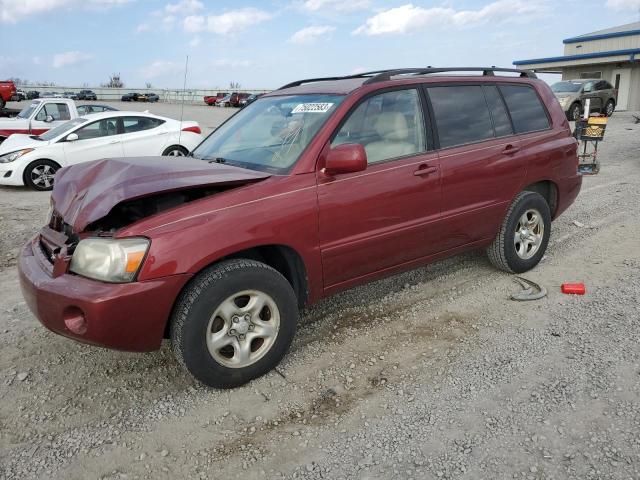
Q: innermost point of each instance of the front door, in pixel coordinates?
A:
(96, 140)
(59, 112)
(621, 80)
(386, 216)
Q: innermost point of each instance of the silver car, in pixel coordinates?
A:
(572, 95)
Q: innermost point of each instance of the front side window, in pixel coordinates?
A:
(388, 125)
(461, 114)
(138, 124)
(527, 112)
(61, 129)
(101, 128)
(59, 111)
(271, 133)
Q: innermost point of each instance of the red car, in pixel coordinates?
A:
(211, 100)
(312, 189)
(7, 91)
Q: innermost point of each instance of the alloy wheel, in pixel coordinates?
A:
(42, 175)
(528, 234)
(243, 329)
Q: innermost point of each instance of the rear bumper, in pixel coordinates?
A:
(568, 190)
(128, 316)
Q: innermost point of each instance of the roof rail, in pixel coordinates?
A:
(384, 75)
(487, 71)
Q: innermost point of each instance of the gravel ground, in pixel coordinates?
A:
(432, 374)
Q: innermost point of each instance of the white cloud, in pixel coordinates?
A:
(161, 68)
(336, 5)
(310, 34)
(224, 62)
(624, 5)
(67, 59)
(227, 23)
(408, 18)
(195, 42)
(143, 27)
(12, 11)
(184, 7)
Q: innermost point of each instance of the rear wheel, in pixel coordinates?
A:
(609, 108)
(524, 234)
(234, 322)
(175, 151)
(40, 174)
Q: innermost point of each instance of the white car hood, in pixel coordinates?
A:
(18, 141)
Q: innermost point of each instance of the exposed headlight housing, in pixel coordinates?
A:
(108, 259)
(10, 157)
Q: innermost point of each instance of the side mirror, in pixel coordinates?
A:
(48, 119)
(72, 137)
(346, 158)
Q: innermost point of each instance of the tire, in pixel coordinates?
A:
(574, 112)
(175, 151)
(517, 247)
(195, 323)
(609, 108)
(39, 174)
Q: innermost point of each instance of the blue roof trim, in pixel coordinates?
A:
(632, 52)
(602, 36)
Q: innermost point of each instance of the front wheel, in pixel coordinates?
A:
(175, 151)
(234, 322)
(524, 234)
(609, 108)
(574, 112)
(40, 174)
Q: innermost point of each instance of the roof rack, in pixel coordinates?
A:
(384, 75)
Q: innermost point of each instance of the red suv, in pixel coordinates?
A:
(314, 188)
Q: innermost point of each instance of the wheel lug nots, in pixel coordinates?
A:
(232, 331)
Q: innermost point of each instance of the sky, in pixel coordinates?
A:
(265, 44)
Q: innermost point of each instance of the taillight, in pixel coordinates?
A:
(195, 129)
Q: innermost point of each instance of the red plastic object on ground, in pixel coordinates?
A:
(573, 288)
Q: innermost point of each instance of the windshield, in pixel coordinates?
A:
(270, 134)
(61, 129)
(27, 111)
(561, 87)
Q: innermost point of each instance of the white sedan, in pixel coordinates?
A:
(33, 160)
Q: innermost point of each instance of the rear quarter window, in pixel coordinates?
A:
(527, 112)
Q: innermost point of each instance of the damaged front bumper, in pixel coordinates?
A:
(124, 316)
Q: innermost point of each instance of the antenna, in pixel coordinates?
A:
(184, 91)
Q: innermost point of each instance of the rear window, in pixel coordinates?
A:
(527, 112)
(461, 114)
(138, 124)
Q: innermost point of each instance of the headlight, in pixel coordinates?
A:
(10, 157)
(108, 259)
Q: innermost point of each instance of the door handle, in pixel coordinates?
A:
(425, 169)
(510, 149)
(114, 141)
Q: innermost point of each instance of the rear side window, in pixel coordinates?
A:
(461, 114)
(499, 115)
(138, 124)
(527, 112)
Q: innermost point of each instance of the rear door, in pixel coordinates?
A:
(143, 136)
(387, 215)
(96, 140)
(481, 160)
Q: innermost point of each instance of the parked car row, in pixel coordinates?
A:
(235, 99)
(140, 97)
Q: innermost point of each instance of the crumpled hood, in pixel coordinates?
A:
(18, 141)
(88, 191)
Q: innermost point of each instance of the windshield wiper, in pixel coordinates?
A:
(217, 160)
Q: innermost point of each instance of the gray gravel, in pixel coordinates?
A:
(432, 374)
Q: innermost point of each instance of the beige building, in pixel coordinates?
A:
(612, 54)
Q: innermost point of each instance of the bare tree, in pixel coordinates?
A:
(114, 81)
(148, 85)
(234, 85)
